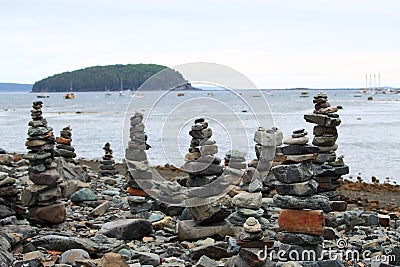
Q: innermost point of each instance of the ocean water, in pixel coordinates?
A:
(368, 135)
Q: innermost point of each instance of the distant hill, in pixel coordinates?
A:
(113, 78)
(15, 87)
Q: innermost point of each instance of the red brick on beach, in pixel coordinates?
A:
(302, 221)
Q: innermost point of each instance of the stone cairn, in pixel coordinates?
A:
(267, 148)
(329, 167)
(10, 203)
(42, 196)
(140, 177)
(64, 147)
(301, 219)
(204, 168)
(251, 241)
(107, 163)
(235, 163)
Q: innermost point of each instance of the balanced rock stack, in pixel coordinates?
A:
(329, 168)
(204, 168)
(301, 219)
(201, 163)
(43, 194)
(64, 147)
(251, 241)
(235, 163)
(136, 158)
(267, 146)
(248, 203)
(107, 164)
(9, 196)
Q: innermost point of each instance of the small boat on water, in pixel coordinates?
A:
(69, 96)
(181, 94)
(42, 95)
(137, 95)
(304, 94)
(210, 94)
(122, 93)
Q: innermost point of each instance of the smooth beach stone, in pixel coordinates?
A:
(107, 162)
(202, 168)
(294, 173)
(48, 177)
(298, 158)
(189, 230)
(257, 213)
(312, 221)
(297, 189)
(265, 152)
(192, 156)
(137, 165)
(322, 105)
(248, 200)
(327, 149)
(129, 229)
(36, 123)
(140, 207)
(299, 239)
(136, 155)
(313, 202)
(209, 159)
(52, 194)
(84, 194)
(64, 141)
(66, 153)
(65, 147)
(296, 141)
(101, 209)
(237, 165)
(328, 170)
(206, 142)
(37, 168)
(325, 157)
(53, 214)
(328, 110)
(322, 130)
(322, 120)
(324, 140)
(136, 174)
(31, 143)
(299, 149)
(208, 150)
(73, 255)
(36, 156)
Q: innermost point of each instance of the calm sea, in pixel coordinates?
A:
(368, 136)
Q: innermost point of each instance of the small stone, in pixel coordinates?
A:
(300, 239)
(205, 261)
(252, 225)
(112, 259)
(84, 194)
(294, 173)
(48, 177)
(53, 214)
(248, 200)
(324, 140)
(101, 209)
(322, 120)
(73, 255)
(127, 229)
(296, 141)
(293, 202)
(297, 189)
(299, 149)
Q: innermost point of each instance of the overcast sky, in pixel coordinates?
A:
(277, 44)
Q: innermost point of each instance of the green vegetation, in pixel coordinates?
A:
(112, 77)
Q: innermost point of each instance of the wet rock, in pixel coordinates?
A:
(129, 229)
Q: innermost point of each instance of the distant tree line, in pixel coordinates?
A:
(112, 77)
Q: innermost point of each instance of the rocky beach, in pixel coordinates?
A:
(288, 207)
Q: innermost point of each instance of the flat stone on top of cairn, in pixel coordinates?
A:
(42, 196)
(107, 163)
(329, 168)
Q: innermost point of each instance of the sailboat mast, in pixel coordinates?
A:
(370, 79)
(379, 80)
